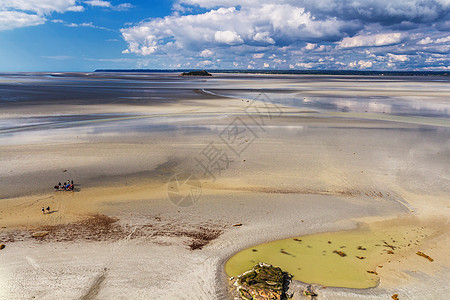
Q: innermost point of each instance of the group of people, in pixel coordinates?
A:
(43, 210)
(67, 186)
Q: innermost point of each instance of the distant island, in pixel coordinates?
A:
(196, 73)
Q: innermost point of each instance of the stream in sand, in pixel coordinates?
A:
(337, 259)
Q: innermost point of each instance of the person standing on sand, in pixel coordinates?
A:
(48, 208)
(43, 210)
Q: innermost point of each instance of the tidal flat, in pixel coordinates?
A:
(354, 160)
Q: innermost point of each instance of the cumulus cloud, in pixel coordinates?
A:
(443, 40)
(381, 39)
(264, 37)
(265, 33)
(310, 46)
(228, 37)
(16, 19)
(425, 41)
(206, 53)
(268, 24)
(16, 14)
(361, 64)
(304, 65)
(397, 57)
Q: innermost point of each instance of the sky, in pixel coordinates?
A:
(84, 35)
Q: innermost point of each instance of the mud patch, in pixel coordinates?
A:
(99, 228)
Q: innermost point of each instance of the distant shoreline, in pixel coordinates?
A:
(300, 72)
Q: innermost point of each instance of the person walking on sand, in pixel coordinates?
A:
(48, 208)
(43, 210)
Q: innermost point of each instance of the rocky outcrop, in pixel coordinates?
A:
(262, 282)
(196, 73)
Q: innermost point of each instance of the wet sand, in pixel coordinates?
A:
(317, 164)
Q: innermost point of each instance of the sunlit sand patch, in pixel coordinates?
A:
(338, 259)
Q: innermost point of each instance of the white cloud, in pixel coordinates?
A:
(279, 61)
(99, 3)
(395, 57)
(364, 64)
(204, 63)
(263, 37)
(268, 24)
(76, 8)
(206, 53)
(277, 33)
(382, 39)
(443, 40)
(40, 7)
(15, 19)
(428, 40)
(266, 65)
(361, 64)
(107, 4)
(85, 24)
(123, 6)
(369, 10)
(425, 41)
(305, 65)
(228, 37)
(310, 46)
(24, 13)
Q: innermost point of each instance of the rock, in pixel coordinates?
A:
(395, 296)
(39, 234)
(196, 73)
(2, 246)
(263, 282)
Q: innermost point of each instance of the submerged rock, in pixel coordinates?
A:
(263, 282)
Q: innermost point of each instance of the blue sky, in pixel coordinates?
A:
(84, 35)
